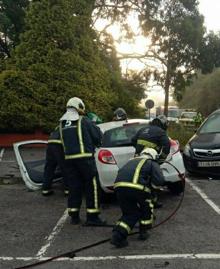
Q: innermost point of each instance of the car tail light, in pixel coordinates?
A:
(105, 156)
(174, 147)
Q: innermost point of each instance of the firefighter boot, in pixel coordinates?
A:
(48, 192)
(118, 240)
(143, 234)
(75, 219)
(66, 192)
(94, 220)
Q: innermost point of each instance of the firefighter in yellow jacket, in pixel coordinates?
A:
(133, 190)
(80, 136)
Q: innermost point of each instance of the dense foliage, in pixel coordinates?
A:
(12, 13)
(59, 57)
(210, 53)
(204, 93)
(56, 53)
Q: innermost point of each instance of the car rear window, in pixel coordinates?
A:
(121, 136)
(211, 125)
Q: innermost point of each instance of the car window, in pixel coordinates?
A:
(121, 136)
(211, 125)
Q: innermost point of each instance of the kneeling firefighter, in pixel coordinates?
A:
(133, 190)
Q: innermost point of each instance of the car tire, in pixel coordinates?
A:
(107, 197)
(175, 188)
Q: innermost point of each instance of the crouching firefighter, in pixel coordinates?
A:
(133, 190)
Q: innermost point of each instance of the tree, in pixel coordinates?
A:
(176, 31)
(58, 58)
(12, 13)
(204, 93)
(209, 53)
(128, 91)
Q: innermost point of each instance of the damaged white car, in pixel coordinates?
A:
(115, 151)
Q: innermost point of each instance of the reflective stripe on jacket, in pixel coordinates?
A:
(79, 138)
(152, 137)
(139, 173)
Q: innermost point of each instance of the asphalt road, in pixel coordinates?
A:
(34, 228)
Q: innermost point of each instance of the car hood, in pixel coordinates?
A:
(205, 141)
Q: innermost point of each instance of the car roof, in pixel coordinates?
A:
(114, 124)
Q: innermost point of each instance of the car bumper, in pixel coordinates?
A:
(191, 165)
(108, 173)
(170, 173)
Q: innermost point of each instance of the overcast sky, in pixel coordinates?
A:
(211, 11)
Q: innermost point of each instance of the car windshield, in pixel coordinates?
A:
(121, 136)
(188, 115)
(211, 125)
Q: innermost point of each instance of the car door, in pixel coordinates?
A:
(31, 157)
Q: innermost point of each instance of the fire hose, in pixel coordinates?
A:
(72, 254)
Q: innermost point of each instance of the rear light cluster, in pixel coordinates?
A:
(174, 147)
(105, 156)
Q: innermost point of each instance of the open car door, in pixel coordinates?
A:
(31, 157)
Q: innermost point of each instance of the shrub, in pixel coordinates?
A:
(180, 133)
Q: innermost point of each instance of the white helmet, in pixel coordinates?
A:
(149, 152)
(76, 103)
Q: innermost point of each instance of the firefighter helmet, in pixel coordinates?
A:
(120, 114)
(161, 121)
(76, 103)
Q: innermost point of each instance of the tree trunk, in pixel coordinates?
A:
(166, 89)
(167, 86)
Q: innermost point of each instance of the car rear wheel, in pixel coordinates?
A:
(175, 187)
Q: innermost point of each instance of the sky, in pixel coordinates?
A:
(211, 11)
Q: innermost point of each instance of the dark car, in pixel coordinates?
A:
(202, 153)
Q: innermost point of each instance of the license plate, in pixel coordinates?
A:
(209, 164)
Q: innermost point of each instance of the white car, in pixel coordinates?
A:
(187, 118)
(115, 151)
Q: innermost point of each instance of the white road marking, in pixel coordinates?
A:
(55, 231)
(190, 256)
(1, 154)
(204, 196)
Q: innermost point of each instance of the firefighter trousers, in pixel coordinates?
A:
(54, 160)
(136, 206)
(83, 178)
